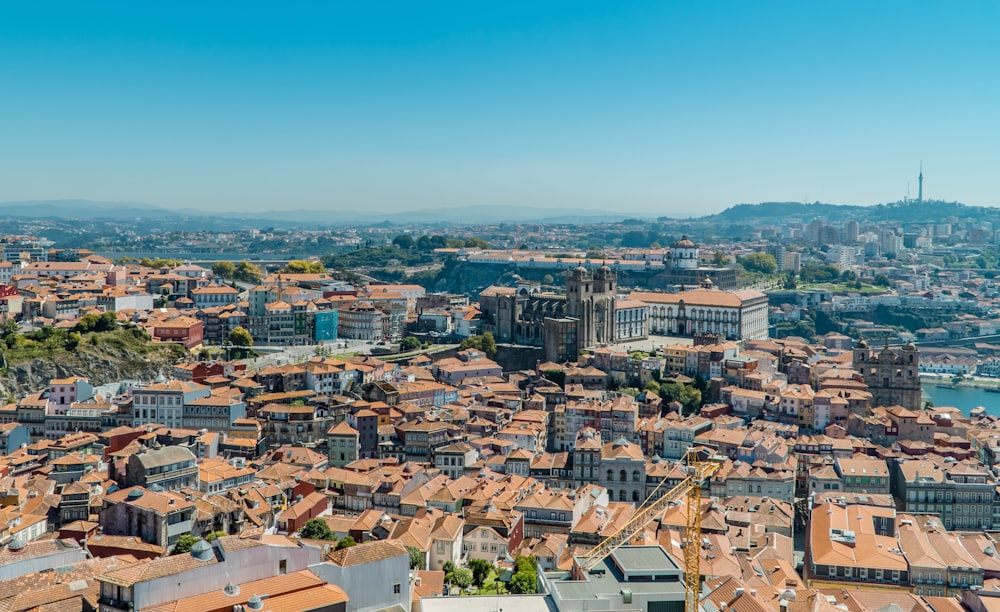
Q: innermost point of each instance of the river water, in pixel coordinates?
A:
(963, 398)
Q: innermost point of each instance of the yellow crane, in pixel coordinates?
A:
(699, 470)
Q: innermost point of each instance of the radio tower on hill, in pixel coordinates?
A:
(920, 185)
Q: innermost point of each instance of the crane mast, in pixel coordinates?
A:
(698, 473)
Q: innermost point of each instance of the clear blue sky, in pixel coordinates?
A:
(672, 108)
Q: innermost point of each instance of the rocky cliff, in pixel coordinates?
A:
(100, 364)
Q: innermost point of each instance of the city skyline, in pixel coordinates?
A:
(652, 108)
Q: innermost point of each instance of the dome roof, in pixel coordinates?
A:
(202, 550)
(683, 243)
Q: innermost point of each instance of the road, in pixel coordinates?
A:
(282, 355)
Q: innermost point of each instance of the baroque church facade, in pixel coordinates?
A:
(892, 374)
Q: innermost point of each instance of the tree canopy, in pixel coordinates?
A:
(760, 262)
(409, 343)
(224, 269)
(303, 266)
(462, 578)
(240, 337)
(185, 542)
(688, 395)
(525, 578)
(247, 272)
(103, 322)
(317, 529)
(483, 342)
(480, 571)
(417, 558)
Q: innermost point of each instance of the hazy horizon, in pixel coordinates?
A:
(651, 108)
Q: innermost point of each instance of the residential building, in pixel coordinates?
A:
(170, 468)
(375, 575)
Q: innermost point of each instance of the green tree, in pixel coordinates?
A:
(215, 535)
(523, 583)
(9, 326)
(483, 342)
(184, 544)
(719, 259)
(448, 567)
(480, 571)
(525, 563)
(317, 529)
(790, 282)
(881, 280)
(224, 269)
(347, 542)
(476, 243)
(302, 266)
(409, 343)
(240, 337)
(417, 558)
(73, 341)
(404, 242)
(816, 272)
(87, 323)
(548, 279)
(247, 272)
(760, 262)
(462, 578)
(106, 321)
(688, 395)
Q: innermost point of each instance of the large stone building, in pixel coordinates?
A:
(737, 315)
(684, 268)
(892, 375)
(564, 324)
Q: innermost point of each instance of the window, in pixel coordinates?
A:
(395, 589)
(283, 566)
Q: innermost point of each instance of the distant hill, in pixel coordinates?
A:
(78, 209)
(913, 212)
(90, 209)
(739, 214)
(743, 213)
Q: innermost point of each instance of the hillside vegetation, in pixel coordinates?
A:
(29, 361)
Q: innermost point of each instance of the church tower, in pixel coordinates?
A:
(580, 305)
(590, 299)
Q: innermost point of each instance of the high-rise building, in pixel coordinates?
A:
(777, 251)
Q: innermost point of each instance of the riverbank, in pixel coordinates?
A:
(946, 381)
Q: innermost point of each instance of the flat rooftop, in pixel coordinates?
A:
(644, 559)
(642, 570)
(489, 603)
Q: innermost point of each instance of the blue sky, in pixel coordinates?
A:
(666, 108)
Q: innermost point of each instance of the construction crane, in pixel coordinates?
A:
(698, 473)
